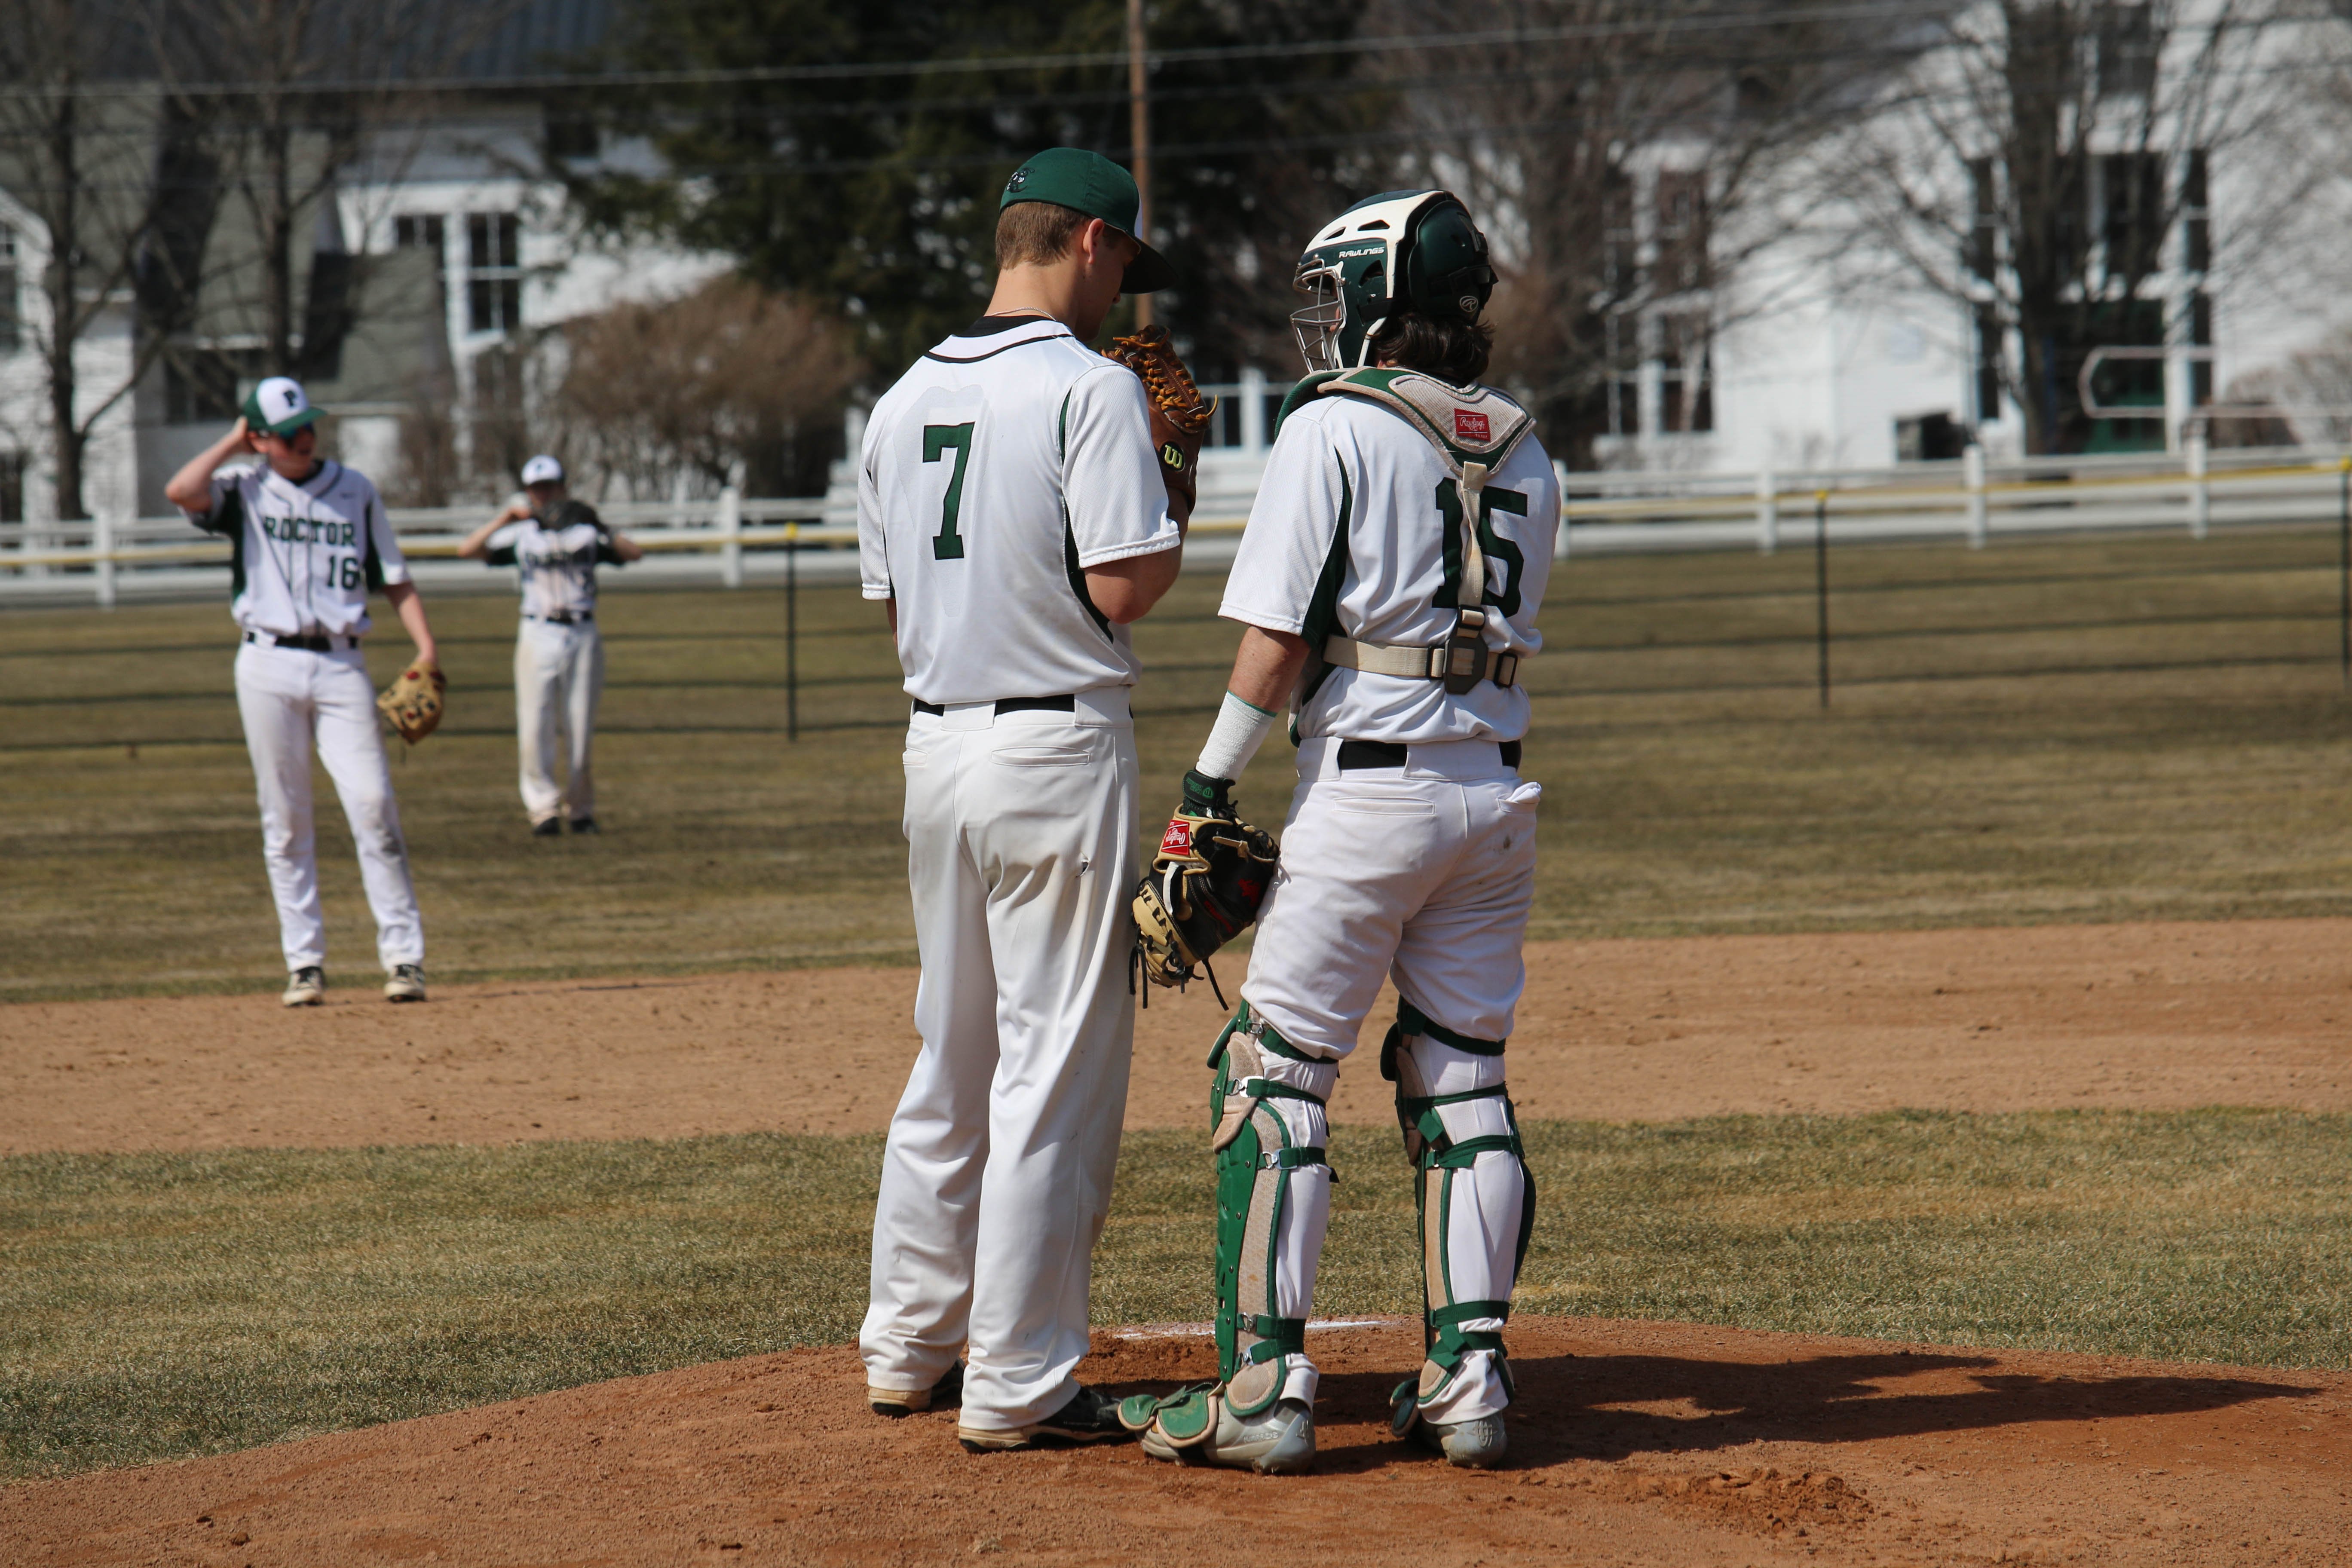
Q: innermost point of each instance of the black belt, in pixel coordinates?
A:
(564, 620)
(312, 645)
(1354, 754)
(1066, 703)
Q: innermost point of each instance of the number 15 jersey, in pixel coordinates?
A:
(1008, 460)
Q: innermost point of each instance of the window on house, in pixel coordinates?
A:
(2131, 190)
(493, 277)
(12, 326)
(1686, 391)
(1983, 244)
(2196, 216)
(1988, 353)
(202, 386)
(2126, 45)
(1681, 231)
(423, 231)
(1620, 269)
(12, 487)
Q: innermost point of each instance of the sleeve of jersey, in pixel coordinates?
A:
(385, 546)
(1110, 476)
(223, 515)
(873, 546)
(1294, 526)
(499, 548)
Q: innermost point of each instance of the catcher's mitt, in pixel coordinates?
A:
(1203, 888)
(1178, 417)
(412, 704)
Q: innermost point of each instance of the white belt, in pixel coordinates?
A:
(1443, 660)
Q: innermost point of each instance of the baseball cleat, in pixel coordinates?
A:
(896, 1401)
(585, 825)
(1475, 1444)
(550, 827)
(1279, 1441)
(306, 987)
(406, 984)
(1089, 1417)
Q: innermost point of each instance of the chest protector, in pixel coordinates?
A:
(1475, 430)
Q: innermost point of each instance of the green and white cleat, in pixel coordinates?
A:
(1210, 1424)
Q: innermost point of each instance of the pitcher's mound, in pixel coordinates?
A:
(1647, 1443)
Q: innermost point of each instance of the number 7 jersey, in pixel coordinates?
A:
(303, 557)
(1008, 460)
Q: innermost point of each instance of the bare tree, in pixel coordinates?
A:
(1615, 149)
(2050, 165)
(80, 159)
(749, 382)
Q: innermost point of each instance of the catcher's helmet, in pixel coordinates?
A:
(1401, 250)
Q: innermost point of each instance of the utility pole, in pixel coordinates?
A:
(1139, 111)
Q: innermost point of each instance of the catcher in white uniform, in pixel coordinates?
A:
(1013, 514)
(558, 663)
(1390, 578)
(308, 539)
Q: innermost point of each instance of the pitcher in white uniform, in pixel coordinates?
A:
(308, 540)
(558, 663)
(1388, 580)
(1012, 514)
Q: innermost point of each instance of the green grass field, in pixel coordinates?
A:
(2130, 728)
(152, 1306)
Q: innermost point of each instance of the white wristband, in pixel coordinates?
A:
(1241, 729)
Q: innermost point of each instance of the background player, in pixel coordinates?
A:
(1012, 512)
(308, 538)
(1410, 845)
(558, 663)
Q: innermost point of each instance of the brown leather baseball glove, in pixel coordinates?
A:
(412, 704)
(1179, 416)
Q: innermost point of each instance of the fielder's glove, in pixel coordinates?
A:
(1203, 888)
(1178, 417)
(412, 704)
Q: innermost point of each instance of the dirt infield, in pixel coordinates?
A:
(1635, 1443)
(2148, 1016)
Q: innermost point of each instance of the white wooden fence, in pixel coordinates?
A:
(729, 540)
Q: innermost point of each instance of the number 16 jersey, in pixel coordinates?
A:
(1008, 460)
(303, 557)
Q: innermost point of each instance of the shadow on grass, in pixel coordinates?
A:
(1572, 1407)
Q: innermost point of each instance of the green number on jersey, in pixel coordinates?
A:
(937, 440)
(1497, 548)
(351, 570)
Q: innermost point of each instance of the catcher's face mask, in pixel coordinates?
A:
(1398, 251)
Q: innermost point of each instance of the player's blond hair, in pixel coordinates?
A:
(1035, 234)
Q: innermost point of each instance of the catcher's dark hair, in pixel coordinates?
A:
(1035, 234)
(1452, 351)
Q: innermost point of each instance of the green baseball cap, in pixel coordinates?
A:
(1091, 184)
(278, 406)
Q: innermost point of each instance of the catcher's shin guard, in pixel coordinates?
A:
(1273, 1200)
(1478, 1205)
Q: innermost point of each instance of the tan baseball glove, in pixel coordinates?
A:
(412, 704)
(1179, 416)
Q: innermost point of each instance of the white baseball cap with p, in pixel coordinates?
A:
(278, 406)
(542, 471)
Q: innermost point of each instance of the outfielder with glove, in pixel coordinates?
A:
(1017, 509)
(1388, 578)
(308, 540)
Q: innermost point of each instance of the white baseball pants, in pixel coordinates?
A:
(292, 700)
(996, 1177)
(559, 676)
(1425, 872)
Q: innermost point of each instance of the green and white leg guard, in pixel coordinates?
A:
(1477, 1207)
(1274, 1203)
